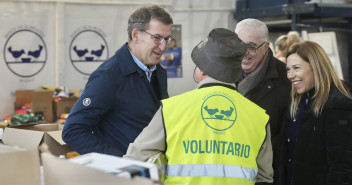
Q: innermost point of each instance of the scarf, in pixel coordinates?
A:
(253, 79)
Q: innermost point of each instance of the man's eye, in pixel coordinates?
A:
(157, 38)
(296, 68)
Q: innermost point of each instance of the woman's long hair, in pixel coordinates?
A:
(325, 76)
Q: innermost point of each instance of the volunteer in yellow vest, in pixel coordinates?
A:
(211, 135)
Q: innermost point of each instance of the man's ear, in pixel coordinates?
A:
(203, 74)
(267, 46)
(135, 34)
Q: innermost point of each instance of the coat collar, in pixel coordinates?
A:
(271, 71)
(130, 66)
(210, 80)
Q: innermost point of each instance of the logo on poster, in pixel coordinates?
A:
(25, 51)
(88, 49)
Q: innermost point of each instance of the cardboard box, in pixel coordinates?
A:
(23, 97)
(75, 92)
(63, 172)
(41, 101)
(33, 135)
(64, 105)
(19, 166)
(119, 166)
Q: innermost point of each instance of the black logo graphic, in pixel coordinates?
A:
(88, 50)
(25, 53)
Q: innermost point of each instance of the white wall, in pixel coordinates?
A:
(197, 18)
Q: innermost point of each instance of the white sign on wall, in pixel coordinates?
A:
(327, 40)
(90, 39)
(27, 49)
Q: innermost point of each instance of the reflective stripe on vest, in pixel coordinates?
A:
(212, 170)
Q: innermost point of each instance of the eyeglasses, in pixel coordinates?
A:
(253, 49)
(159, 40)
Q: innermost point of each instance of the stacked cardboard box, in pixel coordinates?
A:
(116, 165)
(42, 102)
(31, 136)
(64, 105)
(63, 172)
(19, 166)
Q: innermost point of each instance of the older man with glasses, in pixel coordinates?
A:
(123, 94)
(265, 82)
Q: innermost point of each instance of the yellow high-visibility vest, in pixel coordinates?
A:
(213, 136)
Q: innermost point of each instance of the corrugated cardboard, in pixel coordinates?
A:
(64, 105)
(116, 165)
(42, 102)
(63, 172)
(32, 135)
(19, 166)
(75, 92)
(23, 97)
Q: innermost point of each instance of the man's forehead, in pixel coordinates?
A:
(248, 36)
(251, 43)
(159, 28)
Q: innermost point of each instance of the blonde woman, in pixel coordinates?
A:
(318, 135)
(283, 42)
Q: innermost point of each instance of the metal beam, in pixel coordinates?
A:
(350, 53)
(332, 10)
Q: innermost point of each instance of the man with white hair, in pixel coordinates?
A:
(265, 82)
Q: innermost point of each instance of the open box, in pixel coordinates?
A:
(41, 101)
(63, 172)
(64, 105)
(117, 165)
(32, 135)
(19, 166)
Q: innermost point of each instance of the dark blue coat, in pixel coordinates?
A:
(117, 103)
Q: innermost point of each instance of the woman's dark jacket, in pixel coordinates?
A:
(323, 154)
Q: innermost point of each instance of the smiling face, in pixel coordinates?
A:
(143, 45)
(300, 73)
(252, 59)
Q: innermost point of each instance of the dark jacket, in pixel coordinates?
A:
(323, 154)
(273, 95)
(117, 103)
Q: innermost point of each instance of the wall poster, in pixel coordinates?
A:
(172, 58)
